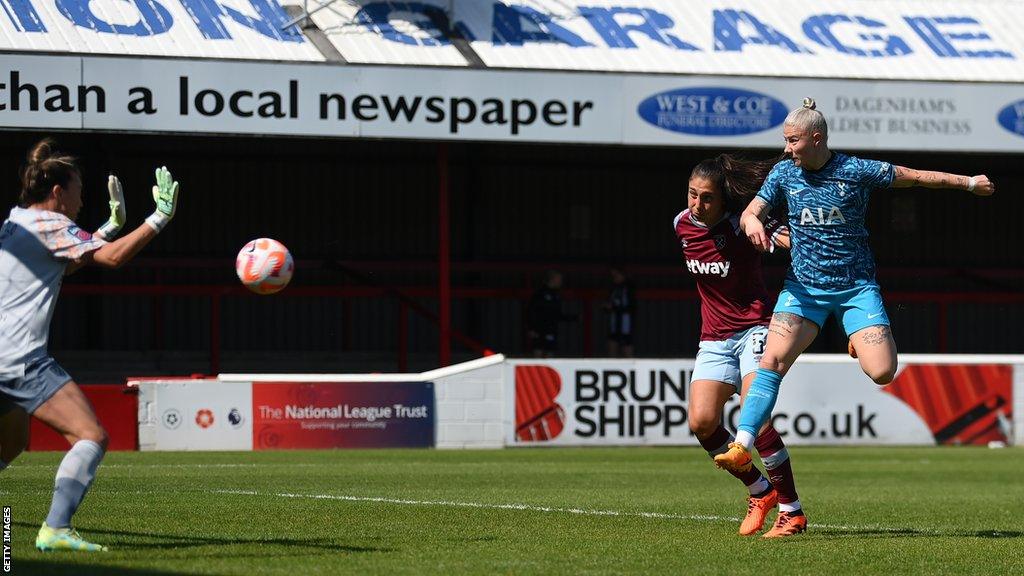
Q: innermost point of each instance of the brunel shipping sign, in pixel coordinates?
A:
(620, 402)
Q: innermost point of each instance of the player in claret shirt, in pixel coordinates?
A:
(735, 311)
(833, 270)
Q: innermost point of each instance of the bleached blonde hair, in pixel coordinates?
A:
(808, 118)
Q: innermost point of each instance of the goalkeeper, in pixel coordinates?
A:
(39, 244)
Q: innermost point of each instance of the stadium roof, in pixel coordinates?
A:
(967, 40)
(973, 40)
(901, 74)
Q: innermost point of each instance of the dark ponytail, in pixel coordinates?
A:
(46, 168)
(738, 178)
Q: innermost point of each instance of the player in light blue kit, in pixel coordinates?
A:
(39, 245)
(833, 270)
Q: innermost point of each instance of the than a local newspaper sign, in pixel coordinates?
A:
(603, 402)
(97, 93)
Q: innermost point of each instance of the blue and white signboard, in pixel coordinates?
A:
(861, 115)
(967, 40)
(203, 96)
(236, 29)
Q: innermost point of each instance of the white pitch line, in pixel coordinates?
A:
(146, 466)
(518, 507)
(455, 504)
(550, 509)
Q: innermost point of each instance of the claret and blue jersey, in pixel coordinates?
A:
(826, 209)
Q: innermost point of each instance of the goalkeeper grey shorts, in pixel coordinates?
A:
(43, 378)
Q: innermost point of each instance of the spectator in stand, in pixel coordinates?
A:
(544, 315)
(621, 308)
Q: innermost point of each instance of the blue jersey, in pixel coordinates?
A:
(827, 206)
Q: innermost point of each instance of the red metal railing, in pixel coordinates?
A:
(406, 303)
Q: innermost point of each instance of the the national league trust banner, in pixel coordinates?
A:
(623, 402)
(214, 415)
(342, 415)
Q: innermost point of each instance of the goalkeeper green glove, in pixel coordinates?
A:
(113, 225)
(165, 194)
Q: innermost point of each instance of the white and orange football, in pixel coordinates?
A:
(264, 265)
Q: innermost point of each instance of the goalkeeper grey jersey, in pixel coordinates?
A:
(35, 248)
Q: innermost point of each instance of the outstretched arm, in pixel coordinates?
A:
(120, 251)
(752, 224)
(906, 177)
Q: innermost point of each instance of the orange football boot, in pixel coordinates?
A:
(787, 524)
(735, 459)
(757, 511)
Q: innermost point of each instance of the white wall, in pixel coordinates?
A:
(470, 408)
(147, 416)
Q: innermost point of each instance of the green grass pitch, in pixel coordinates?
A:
(525, 511)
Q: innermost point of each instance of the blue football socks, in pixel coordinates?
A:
(758, 406)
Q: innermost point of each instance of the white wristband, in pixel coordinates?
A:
(108, 231)
(157, 220)
(971, 182)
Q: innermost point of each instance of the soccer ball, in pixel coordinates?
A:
(264, 265)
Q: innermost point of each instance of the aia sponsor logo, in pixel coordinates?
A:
(538, 416)
(822, 216)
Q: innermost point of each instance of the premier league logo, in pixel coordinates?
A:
(235, 418)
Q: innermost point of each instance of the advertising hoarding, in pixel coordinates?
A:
(191, 96)
(342, 415)
(645, 402)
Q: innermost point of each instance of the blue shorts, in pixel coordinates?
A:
(730, 360)
(857, 307)
(43, 378)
